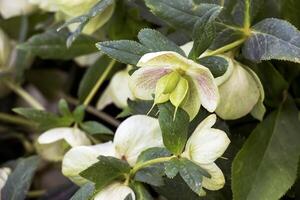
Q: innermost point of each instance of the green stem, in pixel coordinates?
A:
(140, 166)
(35, 193)
(15, 120)
(23, 94)
(247, 20)
(98, 83)
(226, 48)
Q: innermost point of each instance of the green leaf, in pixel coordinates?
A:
(51, 45)
(216, 64)
(204, 32)
(63, 108)
(141, 107)
(84, 193)
(91, 76)
(266, 166)
(172, 168)
(82, 20)
(105, 171)
(152, 153)
(290, 11)
(155, 41)
(19, 180)
(179, 13)
(93, 127)
(273, 39)
(46, 120)
(140, 191)
(192, 174)
(79, 113)
(125, 51)
(174, 131)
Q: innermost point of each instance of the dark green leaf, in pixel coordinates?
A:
(85, 192)
(290, 11)
(82, 20)
(51, 45)
(172, 168)
(155, 41)
(142, 107)
(204, 32)
(105, 171)
(91, 76)
(273, 39)
(266, 166)
(174, 131)
(192, 174)
(179, 13)
(216, 64)
(19, 180)
(152, 153)
(93, 127)
(45, 119)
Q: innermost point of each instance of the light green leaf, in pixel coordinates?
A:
(266, 166)
(172, 168)
(273, 39)
(79, 113)
(19, 180)
(84, 193)
(63, 108)
(51, 45)
(93, 127)
(125, 51)
(110, 168)
(174, 130)
(155, 41)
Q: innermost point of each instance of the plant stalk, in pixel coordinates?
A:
(226, 48)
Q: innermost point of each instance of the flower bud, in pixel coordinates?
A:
(9, 8)
(54, 143)
(115, 191)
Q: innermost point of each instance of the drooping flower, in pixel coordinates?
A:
(117, 91)
(4, 173)
(54, 143)
(15, 8)
(130, 140)
(205, 145)
(169, 76)
(134, 135)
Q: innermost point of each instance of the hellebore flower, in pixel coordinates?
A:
(133, 136)
(170, 76)
(117, 92)
(241, 92)
(205, 145)
(15, 8)
(54, 143)
(4, 173)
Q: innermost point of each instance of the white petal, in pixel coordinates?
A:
(80, 158)
(206, 144)
(52, 144)
(217, 179)
(115, 191)
(87, 60)
(136, 134)
(47, 5)
(238, 95)
(187, 47)
(4, 173)
(205, 83)
(117, 92)
(10, 8)
(5, 50)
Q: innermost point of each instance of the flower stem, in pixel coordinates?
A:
(15, 120)
(99, 82)
(226, 47)
(140, 166)
(24, 94)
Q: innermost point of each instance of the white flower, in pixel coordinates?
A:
(115, 191)
(9, 8)
(47, 5)
(4, 173)
(136, 134)
(204, 146)
(173, 77)
(74, 8)
(117, 91)
(5, 50)
(54, 143)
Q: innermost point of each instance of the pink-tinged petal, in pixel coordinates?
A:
(205, 83)
(142, 82)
